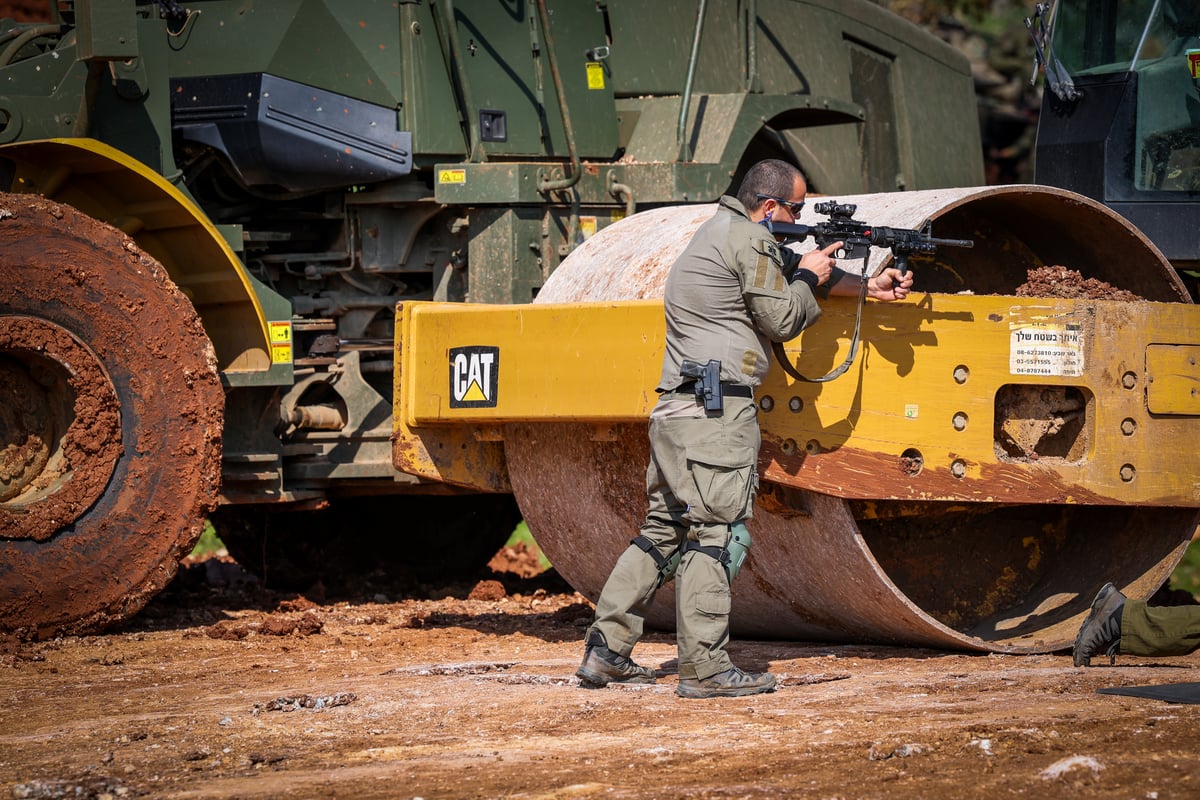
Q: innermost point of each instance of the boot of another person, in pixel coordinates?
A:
(1101, 631)
(733, 682)
(601, 666)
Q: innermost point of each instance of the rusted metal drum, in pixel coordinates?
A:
(976, 576)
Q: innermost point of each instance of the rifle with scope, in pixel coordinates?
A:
(856, 237)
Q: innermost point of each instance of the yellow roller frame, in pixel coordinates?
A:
(913, 419)
(598, 362)
(110, 186)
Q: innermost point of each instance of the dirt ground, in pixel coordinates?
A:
(223, 689)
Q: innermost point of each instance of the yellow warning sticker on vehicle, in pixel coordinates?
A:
(280, 331)
(595, 75)
(452, 176)
(587, 226)
(281, 341)
(1193, 57)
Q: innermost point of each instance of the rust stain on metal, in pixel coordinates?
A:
(861, 475)
(453, 455)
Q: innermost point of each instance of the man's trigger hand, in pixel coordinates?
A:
(820, 262)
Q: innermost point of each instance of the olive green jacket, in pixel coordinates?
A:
(726, 298)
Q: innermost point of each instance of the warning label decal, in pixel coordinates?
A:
(1046, 349)
(281, 341)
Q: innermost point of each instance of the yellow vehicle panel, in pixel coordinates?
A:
(952, 397)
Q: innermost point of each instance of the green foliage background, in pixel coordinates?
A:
(1187, 574)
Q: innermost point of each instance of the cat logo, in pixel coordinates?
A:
(474, 372)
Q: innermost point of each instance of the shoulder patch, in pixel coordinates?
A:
(770, 249)
(767, 274)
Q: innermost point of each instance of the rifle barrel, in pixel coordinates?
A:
(797, 231)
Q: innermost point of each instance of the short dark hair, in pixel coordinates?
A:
(772, 176)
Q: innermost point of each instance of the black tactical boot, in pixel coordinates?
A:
(730, 683)
(1101, 631)
(602, 666)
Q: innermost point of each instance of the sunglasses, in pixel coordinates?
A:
(792, 207)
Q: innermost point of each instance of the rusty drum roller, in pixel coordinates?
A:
(994, 549)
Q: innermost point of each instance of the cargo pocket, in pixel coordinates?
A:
(715, 604)
(723, 480)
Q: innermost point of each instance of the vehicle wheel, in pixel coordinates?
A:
(110, 422)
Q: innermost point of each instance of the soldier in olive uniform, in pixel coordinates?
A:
(1117, 624)
(731, 293)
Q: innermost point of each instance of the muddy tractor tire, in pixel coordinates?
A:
(111, 412)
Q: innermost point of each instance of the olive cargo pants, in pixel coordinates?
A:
(1159, 630)
(702, 477)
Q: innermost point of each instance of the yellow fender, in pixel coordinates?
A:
(113, 187)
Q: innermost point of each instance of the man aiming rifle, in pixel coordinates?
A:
(727, 297)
